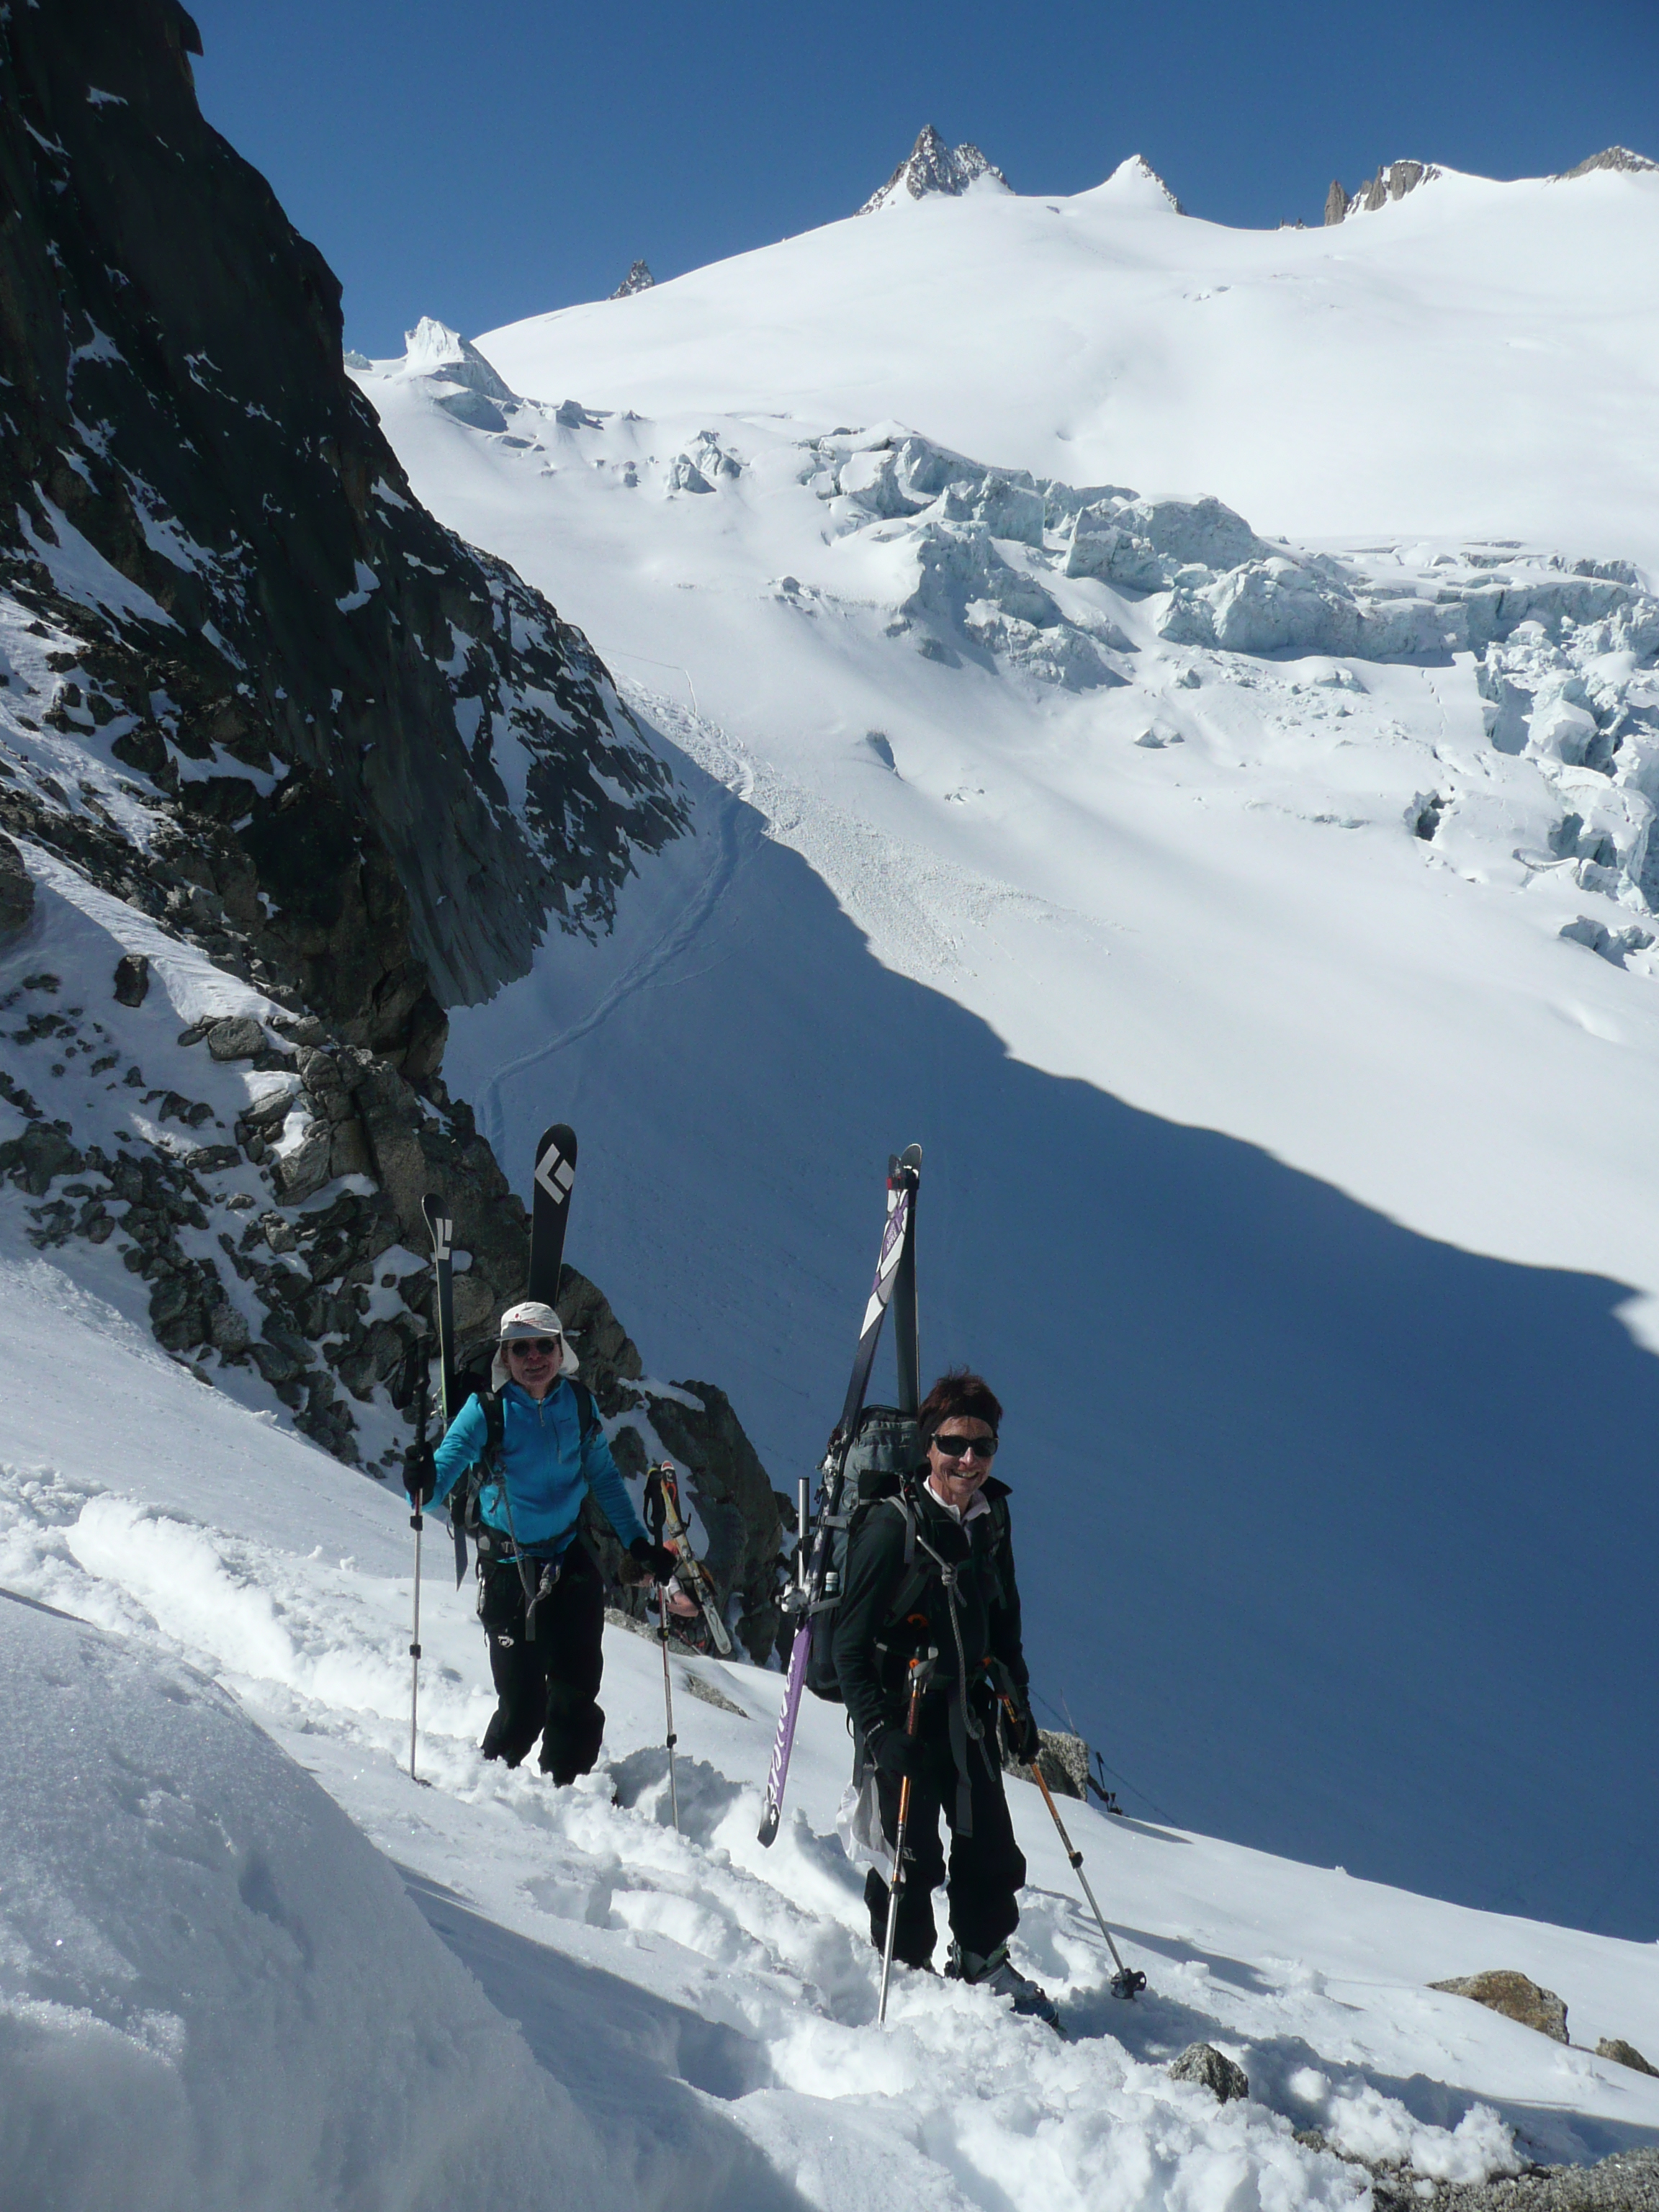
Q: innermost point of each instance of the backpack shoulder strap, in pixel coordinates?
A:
(495, 1427)
(587, 1413)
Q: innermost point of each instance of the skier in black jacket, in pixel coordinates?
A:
(953, 1525)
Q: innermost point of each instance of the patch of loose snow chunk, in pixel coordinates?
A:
(1358, 2120)
(214, 1991)
(960, 2104)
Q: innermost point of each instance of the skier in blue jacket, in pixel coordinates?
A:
(541, 1597)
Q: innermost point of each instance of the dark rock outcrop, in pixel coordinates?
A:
(930, 166)
(349, 760)
(638, 279)
(343, 698)
(1624, 2054)
(132, 980)
(1514, 1995)
(1211, 2069)
(1627, 2181)
(1610, 157)
(1392, 182)
(17, 891)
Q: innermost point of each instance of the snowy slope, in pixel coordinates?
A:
(208, 1975)
(1476, 360)
(1244, 927)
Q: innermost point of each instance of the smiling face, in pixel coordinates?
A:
(955, 1473)
(535, 1362)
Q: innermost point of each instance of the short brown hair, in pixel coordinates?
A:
(960, 1395)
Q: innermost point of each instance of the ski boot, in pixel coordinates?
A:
(1000, 1974)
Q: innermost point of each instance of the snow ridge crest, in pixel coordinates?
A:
(930, 167)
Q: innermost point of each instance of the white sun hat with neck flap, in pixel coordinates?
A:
(530, 1319)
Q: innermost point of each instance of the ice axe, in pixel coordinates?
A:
(919, 1670)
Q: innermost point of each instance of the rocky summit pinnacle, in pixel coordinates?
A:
(1392, 182)
(1611, 157)
(932, 166)
(638, 279)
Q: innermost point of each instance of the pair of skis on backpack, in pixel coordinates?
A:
(878, 1439)
(550, 1212)
(553, 1181)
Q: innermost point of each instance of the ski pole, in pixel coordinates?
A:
(656, 1513)
(918, 1676)
(417, 1522)
(1127, 1982)
(668, 1702)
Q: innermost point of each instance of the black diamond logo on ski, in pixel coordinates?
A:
(555, 1175)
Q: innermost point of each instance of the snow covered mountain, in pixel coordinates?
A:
(1286, 1479)
(1177, 714)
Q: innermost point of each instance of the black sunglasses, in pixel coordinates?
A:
(544, 1343)
(959, 1447)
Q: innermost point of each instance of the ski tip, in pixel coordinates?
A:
(767, 1830)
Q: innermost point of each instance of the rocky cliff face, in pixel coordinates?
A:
(638, 279)
(1392, 182)
(285, 769)
(176, 404)
(930, 166)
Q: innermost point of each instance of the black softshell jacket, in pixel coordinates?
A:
(873, 1680)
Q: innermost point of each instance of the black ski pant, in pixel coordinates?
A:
(987, 1869)
(547, 1683)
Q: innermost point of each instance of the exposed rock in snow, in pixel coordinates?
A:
(1610, 157)
(1211, 2069)
(1516, 1997)
(930, 166)
(638, 279)
(1624, 2054)
(1392, 182)
(17, 891)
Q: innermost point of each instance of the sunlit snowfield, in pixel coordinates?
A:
(1251, 917)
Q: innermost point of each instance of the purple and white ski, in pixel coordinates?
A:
(895, 1264)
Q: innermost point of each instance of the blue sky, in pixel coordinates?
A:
(483, 164)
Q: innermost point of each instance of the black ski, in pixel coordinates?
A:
(549, 1210)
(895, 1272)
(442, 1230)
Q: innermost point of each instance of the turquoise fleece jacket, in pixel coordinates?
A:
(548, 1464)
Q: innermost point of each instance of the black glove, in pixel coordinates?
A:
(897, 1754)
(661, 1561)
(419, 1474)
(1023, 1737)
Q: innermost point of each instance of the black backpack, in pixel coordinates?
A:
(879, 1462)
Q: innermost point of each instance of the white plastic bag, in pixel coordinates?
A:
(858, 1823)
